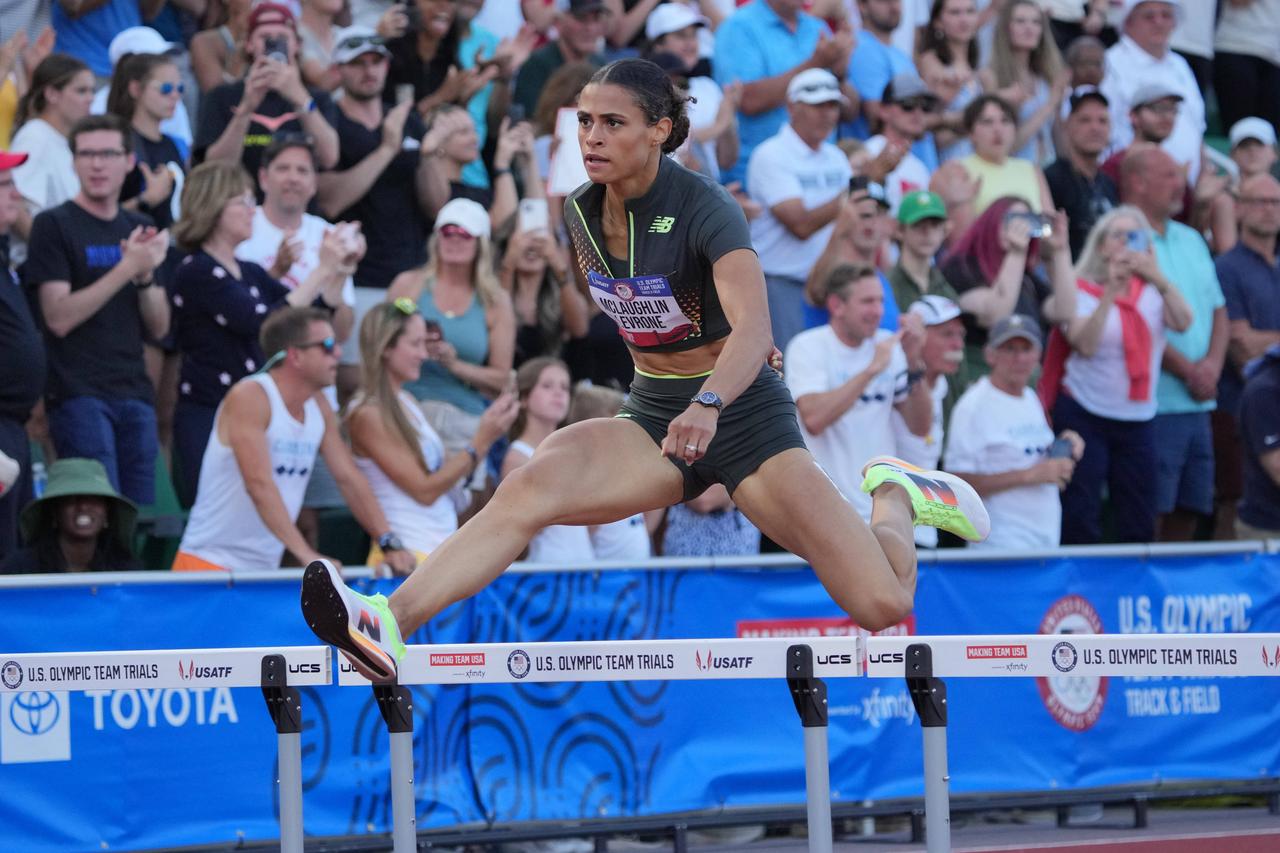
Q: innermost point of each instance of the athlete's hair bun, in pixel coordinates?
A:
(653, 92)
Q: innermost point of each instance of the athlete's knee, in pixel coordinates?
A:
(526, 496)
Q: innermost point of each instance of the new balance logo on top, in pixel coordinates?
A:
(370, 625)
(662, 224)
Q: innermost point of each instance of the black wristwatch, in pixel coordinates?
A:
(390, 542)
(710, 399)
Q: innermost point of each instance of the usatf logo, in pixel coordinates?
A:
(662, 224)
(706, 662)
(191, 671)
(1064, 657)
(703, 663)
(518, 664)
(11, 673)
(1269, 661)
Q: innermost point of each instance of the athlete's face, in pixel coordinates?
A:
(403, 360)
(549, 398)
(614, 134)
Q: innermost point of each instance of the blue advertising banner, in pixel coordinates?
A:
(152, 768)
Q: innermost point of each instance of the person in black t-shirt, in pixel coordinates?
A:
(21, 362)
(1077, 185)
(145, 90)
(92, 268)
(238, 120)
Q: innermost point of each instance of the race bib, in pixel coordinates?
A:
(644, 308)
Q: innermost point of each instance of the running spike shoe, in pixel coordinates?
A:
(938, 499)
(361, 626)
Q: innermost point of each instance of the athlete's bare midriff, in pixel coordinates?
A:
(690, 362)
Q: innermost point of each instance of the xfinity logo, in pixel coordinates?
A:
(886, 657)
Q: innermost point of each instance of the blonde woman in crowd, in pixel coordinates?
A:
(416, 481)
(1026, 70)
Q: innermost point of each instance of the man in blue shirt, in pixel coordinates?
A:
(1260, 429)
(1250, 278)
(763, 45)
(1188, 388)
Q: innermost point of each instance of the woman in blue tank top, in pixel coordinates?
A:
(667, 254)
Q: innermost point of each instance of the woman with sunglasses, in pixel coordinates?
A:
(667, 253)
(145, 91)
(417, 483)
(220, 303)
(459, 291)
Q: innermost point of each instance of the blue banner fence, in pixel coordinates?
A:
(150, 768)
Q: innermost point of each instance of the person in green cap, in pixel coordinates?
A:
(79, 524)
(922, 228)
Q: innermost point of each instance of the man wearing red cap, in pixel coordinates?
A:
(21, 363)
(238, 120)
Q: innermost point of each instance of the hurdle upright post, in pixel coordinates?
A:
(929, 695)
(810, 697)
(395, 703)
(284, 703)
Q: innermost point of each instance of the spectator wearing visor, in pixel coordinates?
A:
(1082, 190)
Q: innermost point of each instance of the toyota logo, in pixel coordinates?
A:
(34, 713)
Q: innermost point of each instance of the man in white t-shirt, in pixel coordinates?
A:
(904, 107)
(1000, 441)
(800, 180)
(850, 375)
(941, 355)
(286, 239)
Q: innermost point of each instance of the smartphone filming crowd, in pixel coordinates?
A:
(292, 280)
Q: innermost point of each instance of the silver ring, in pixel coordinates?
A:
(692, 448)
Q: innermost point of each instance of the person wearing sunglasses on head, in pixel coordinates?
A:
(906, 109)
(261, 453)
(220, 301)
(418, 483)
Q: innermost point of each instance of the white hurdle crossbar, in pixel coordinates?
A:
(925, 661)
(803, 662)
(277, 671)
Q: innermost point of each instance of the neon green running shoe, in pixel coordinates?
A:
(361, 626)
(938, 499)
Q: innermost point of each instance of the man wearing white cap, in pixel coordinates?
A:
(1143, 55)
(22, 368)
(1253, 147)
(942, 354)
(146, 40)
(800, 180)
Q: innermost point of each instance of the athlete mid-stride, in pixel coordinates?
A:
(666, 253)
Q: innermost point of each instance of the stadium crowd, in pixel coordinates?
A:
(288, 280)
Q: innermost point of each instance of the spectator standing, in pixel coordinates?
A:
(1108, 396)
(1143, 55)
(60, 93)
(1070, 20)
(1250, 280)
(800, 180)
(220, 301)
(1245, 50)
(388, 173)
(1193, 360)
(85, 30)
(999, 441)
(238, 120)
(1076, 183)
(416, 483)
(905, 110)
(79, 524)
(543, 386)
(1260, 429)
(1253, 147)
(764, 45)
(994, 267)
(948, 62)
(992, 125)
(22, 362)
(922, 228)
(875, 62)
(145, 41)
(261, 451)
(317, 38)
(1026, 71)
(91, 267)
(941, 355)
(849, 375)
(144, 93)
(218, 54)
(580, 27)
(459, 290)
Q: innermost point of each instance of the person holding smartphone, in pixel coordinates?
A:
(1107, 359)
(666, 252)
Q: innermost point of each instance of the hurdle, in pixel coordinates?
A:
(924, 661)
(802, 664)
(277, 671)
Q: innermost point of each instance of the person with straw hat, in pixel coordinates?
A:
(79, 524)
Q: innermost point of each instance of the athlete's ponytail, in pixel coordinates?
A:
(654, 93)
